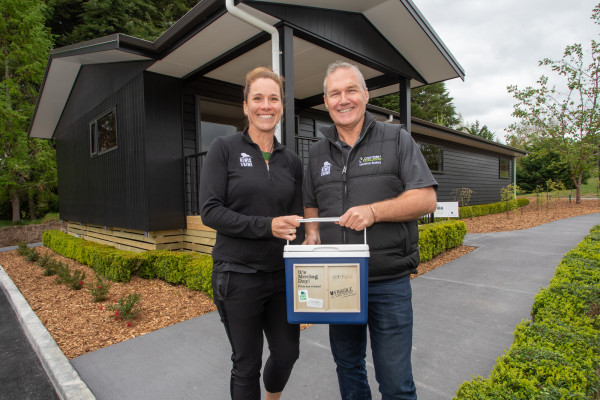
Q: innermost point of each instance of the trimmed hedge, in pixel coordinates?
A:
(556, 355)
(194, 270)
(492, 208)
(440, 236)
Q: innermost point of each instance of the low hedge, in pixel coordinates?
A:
(492, 208)
(440, 236)
(556, 355)
(194, 270)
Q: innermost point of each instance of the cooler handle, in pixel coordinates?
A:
(325, 219)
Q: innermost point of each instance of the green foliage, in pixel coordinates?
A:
(492, 208)
(28, 252)
(125, 308)
(99, 289)
(556, 355)
(75, 20)
(568, 120)
(431, 103)
(542, 163)
(22, 248)
(191, 269)
(440, 236)
(27, 166)
(481, 131)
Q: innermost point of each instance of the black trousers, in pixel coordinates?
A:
(250, 305)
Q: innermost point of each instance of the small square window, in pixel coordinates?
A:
(504, 168)
(434, 156)
(103, 133)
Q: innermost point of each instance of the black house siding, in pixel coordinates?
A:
(463, 166)
(468, 167)
(138, 185)
(164, 152)
(108, 189)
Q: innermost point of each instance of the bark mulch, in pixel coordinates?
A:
(79, 325)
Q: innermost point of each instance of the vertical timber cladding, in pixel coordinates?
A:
(107, 189)
(468, 167)
(163, 152)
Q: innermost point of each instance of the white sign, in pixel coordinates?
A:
(446, 210)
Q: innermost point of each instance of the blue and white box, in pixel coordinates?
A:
(326, 284)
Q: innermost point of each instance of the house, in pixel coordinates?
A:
(131, 118)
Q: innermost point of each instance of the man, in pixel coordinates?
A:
(373, 175)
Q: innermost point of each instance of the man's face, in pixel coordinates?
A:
(345, 98)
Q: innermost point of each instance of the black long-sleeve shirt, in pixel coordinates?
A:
(240, 195)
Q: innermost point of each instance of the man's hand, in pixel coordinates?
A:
(312, 238)
(358, 218)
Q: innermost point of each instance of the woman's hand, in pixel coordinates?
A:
(285, 227)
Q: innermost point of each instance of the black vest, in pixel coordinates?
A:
(370, 174)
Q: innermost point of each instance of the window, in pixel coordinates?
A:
(504, 168)
(210, 131)
(434, 155)
(103, 133)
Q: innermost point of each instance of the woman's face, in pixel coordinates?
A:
(264, 105)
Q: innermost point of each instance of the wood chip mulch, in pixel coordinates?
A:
(79, 325)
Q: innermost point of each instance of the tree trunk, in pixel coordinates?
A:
(31, 201)
(577, 187)
(16, 209)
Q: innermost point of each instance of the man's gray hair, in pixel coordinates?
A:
(343, 64)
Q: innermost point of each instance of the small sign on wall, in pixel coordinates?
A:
(446, 210)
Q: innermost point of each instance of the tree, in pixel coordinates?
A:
(431, 103)
(542, 163)
(24, 46)
(568, 118)
(74, 21)
(477, 130)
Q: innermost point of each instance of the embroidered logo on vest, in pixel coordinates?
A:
(326, 168)
(245, 160)
(370, 160)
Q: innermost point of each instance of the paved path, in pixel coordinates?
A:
(465, 314)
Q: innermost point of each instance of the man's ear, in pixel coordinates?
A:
(325, 102)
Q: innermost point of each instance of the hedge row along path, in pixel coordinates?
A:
(79, 325)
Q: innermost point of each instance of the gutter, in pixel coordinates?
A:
(275, 50)
(260, 24)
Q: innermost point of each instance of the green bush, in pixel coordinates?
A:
(191, 269)
(440, 236)
(194, 270)
(492, 208)
(556, 355)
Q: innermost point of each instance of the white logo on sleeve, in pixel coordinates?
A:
(245, 160)
(326, 168)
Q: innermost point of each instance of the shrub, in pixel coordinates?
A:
(440, 236)
(556, 355)
(125, 308)
(99, 289)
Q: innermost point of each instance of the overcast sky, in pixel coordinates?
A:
(499, 43)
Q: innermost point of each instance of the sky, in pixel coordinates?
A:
(499, 43)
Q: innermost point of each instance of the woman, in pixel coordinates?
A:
(250, 185)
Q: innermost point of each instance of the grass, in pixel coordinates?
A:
(47, 218)
(589, 190)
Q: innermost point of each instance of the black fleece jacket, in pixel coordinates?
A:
(240, 195)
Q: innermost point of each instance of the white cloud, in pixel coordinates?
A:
(500, 44)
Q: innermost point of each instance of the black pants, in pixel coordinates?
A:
(250, 304)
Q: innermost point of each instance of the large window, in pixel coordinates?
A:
(217, 118)
(434, 155)
(103, 133)
(504, 168)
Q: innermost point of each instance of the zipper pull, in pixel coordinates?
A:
(344, 173)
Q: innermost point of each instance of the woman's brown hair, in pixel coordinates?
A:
(262, 72)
